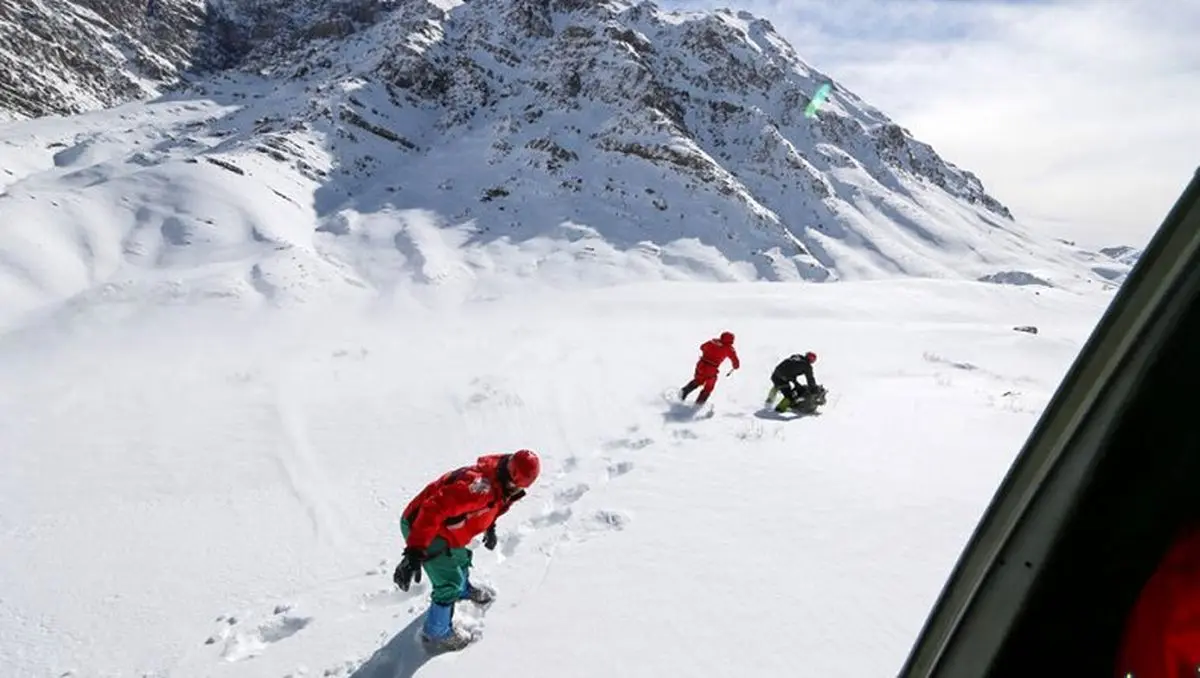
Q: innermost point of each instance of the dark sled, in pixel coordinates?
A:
(805, 408)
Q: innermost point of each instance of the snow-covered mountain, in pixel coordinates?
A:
(69, 56)
(366, 144)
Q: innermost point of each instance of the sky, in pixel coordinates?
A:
(1082, 116)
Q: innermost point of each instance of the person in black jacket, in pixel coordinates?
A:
(785, 380)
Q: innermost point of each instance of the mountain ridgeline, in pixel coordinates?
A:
(676, 140)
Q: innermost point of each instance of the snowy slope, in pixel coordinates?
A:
(646, 125)
(495, 141)
(1110, 263)
(198, 491)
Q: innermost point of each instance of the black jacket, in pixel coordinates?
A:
(791, 368)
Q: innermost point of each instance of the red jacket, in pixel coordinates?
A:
(458, 506)
(712, 353)
(1162, 632)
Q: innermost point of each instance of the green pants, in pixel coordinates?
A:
(783, 404)
(447, 568)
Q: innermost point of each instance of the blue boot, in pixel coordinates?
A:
(438, 633)
(438, 622)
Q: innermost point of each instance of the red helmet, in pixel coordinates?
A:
(523, 467)
(810, 357)
(727, 338)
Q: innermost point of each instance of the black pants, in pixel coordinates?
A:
(790, 389)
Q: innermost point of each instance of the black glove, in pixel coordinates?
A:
(489, 538)
(515, 496)
(409, 569)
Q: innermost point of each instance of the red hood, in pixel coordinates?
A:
(490, 464)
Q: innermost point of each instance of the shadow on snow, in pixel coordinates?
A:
(770, 413)
(401, 657)
(682, 412)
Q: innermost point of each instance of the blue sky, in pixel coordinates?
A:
(1082, 116)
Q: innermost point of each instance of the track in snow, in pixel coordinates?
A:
(255, 473)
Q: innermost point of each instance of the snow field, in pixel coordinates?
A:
(216, 493)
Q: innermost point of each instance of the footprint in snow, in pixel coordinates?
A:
(604, 521)
(245, 645)
(594, 524)
(388, 597)
(486, 394)
(618, 468)
(509, 543)
(630, 443)
(556, 517)
(570, 495)
(754, 430)
(561, 511)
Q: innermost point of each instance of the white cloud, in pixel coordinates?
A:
(1081, 116)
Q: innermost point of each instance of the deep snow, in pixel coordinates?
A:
(192, 474)
(229, 355)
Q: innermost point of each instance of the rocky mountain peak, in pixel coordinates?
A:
(63, 56)
(515, 118)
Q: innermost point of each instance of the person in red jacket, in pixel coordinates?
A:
(441, 521)
(1162, 631)
(712, 353)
